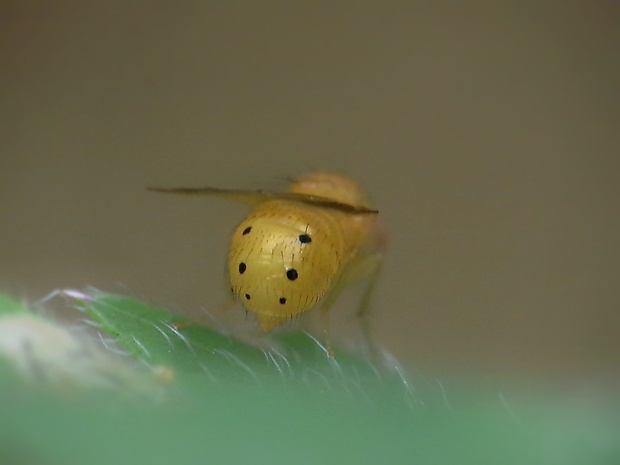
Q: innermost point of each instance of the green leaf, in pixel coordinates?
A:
(228, 402)
(9, 306)
(203, 355)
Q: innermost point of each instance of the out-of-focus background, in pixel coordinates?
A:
(488, 137)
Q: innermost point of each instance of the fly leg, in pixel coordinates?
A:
(372, 268)
(329, 300)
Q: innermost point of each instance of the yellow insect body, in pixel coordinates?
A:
(299, 247)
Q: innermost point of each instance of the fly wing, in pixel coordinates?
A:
(325, 202)
(248, 197)
(256, 197)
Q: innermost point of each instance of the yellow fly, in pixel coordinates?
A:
(299, 247)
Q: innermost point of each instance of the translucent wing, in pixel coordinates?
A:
(259, 196)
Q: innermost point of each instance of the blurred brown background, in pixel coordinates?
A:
(488, 137)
